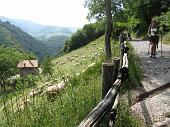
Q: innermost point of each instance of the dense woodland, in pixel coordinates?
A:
(55, 43)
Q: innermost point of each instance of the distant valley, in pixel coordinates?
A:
(39, 31)
(42, 40)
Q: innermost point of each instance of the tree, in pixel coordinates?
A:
(144, 11)
(103, 9)
(9, 58)
(108, 29)
(47, 67)
(83, 36)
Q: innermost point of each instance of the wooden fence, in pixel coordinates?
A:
(111, 84)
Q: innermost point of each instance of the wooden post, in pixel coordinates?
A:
(107, 77)
(121, 42)
(116, 62)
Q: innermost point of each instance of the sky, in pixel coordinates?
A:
(68, 13)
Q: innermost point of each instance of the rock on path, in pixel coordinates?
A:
(154, 109)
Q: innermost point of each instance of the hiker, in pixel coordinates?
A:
(129, 36)
(153, 37)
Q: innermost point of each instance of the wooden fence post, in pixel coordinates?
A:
(107, 77)
(109, 73)
(116, 62)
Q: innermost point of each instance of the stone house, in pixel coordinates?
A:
(28, 67)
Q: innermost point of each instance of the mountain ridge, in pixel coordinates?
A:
(12, 36)
(38, 30)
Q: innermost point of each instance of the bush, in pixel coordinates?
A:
(84, 36)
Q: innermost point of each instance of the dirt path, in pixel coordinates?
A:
(155, 110)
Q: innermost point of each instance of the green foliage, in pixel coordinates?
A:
(55, 43)
(144, 11)
(124, 117)
(47, 67)
(84, 36)
(69, 108)
(12, 36)
(68, 105)
(97, 8)
(8, 63)
(80, 96)
(129, 15)
(164, 20)
(166, 38)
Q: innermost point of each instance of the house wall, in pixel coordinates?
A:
(26, 71)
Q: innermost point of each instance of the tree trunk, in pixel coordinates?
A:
(108, 29)
(3, 82)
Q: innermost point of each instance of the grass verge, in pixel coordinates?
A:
(69, 108)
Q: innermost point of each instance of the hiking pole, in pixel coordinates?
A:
(148, 48)
(161, 44)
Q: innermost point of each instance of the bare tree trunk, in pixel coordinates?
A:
(3, 82)
(108, 29)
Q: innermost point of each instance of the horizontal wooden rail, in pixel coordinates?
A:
(108, 101)
(104, 105)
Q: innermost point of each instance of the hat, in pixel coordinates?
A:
(155, 22)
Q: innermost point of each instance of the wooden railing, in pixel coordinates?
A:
(111, 84)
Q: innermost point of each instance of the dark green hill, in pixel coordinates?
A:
(10, 33)
(56, 43)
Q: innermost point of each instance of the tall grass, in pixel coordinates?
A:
(124, 117)
(135, 72)
(81, 95)
(166, 38)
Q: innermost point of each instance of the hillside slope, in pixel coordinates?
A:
(55, 43)
(10, 33)
(76, 61)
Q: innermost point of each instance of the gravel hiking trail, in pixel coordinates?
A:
(155, 108)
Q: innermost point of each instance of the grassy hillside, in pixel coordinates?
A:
(80, 96)
(76, 61)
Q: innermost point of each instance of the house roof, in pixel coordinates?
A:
(27, 63)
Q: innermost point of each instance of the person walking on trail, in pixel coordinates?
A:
(153, 32)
